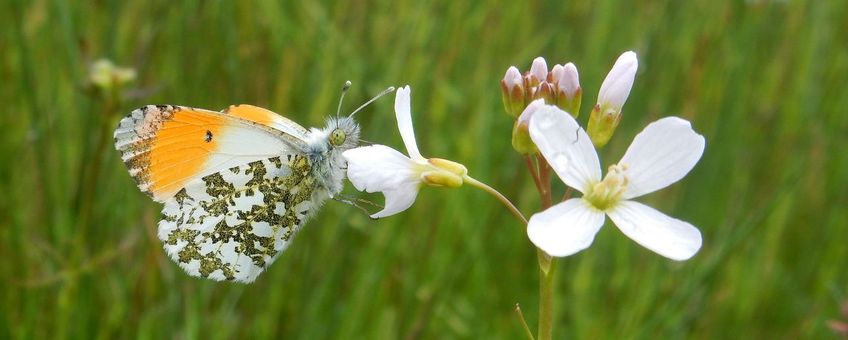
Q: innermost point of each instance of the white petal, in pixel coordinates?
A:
(565, 228)
(403, 111)
(398, 200)
(566, 147)
(524, 117)
(379, 168)
(539, 69)
(667, 236)
(617, 84)
(660, 155)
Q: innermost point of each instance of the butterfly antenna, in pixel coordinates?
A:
(345, 87)
(388, 90)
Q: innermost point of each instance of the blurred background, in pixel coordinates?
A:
(764, 81)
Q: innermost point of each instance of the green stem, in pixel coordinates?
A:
(524, 322)
(511, 207)
(546, 299)
(546, 262)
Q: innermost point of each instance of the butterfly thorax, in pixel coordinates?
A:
(324, 149)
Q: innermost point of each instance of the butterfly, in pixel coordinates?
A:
(237, 184)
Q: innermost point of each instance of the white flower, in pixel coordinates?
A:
(616, 86)
(379, 168)
(660, 155)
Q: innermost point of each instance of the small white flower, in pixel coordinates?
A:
(616, 86)
(660, 155)
(379, 168)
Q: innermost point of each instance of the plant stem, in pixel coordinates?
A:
(545, 180)
(546, 262)
(546, 298)
(511, 207)
(524, 322)
(534, 172)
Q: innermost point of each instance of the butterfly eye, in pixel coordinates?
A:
(337, 137)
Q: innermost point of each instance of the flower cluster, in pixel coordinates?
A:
(545, 105)
(560, 86)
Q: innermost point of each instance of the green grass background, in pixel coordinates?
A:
(764, 81)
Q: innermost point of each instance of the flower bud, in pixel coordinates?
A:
(617, 84)
(539, 71)
(512, 90)
(546, 92)
(568, 92)
(614, 91)
(521, 141)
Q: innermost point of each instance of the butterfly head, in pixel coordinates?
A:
(342, 133)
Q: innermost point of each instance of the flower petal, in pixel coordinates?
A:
(398, 200)
(660, 155)
(566, 147)
(616, 86)
(379, 168)
(565, 228)
(667, 236)
(524, 117)
(403, 112)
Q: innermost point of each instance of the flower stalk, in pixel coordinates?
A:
(500, 197)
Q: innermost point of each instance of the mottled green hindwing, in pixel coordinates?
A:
(232, 224)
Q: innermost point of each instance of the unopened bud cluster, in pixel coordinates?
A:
(560, 87)
(524, 93)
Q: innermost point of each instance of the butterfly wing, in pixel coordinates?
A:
(236, 184)
(166, 146)
(232, 224)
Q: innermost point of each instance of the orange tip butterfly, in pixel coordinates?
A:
(237, 184)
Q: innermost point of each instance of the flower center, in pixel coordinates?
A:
(607, 193)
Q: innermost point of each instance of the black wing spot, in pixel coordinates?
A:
(208, 136)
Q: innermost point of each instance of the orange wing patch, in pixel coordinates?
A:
(165, 146)
(181, 148)
(253, 113)
(267, 118)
